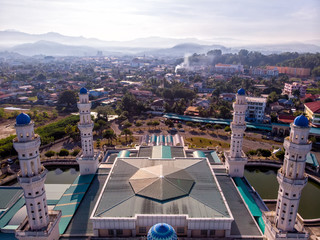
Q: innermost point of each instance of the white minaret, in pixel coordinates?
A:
(88, 161)
(235, 157)
(31, 178)
(291, 176)
(292, 179)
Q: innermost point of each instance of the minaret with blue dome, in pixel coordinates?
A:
(292, 179)
(235, 157)
(31, 177)
(162, 231)
(88, 161)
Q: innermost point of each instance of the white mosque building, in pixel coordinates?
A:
(160, 190)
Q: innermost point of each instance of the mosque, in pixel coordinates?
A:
(159, 190)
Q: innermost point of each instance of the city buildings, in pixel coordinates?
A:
(229, 68)
(256, 109)
(296, 72)
(291, 88)
(312, 111)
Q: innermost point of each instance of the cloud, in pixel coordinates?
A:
(128, 19)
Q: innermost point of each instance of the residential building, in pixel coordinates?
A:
(229, 68)
(256, 109)
(312, 110)
(191, 110)
(297, 72)
(227, 96)
(290, 88)
(157, 105)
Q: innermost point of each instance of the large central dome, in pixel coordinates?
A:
(161, 183)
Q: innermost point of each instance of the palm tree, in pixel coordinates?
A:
(126, 132)
(109, 135)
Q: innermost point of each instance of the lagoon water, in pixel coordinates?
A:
(265, 183)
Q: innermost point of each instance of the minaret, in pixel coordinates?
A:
(235, 157)
(292, 179)
(31, 178)
(291, 176)
(88, 161)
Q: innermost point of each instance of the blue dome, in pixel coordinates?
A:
(23, 119)
(301, 121)
(83, 91)
(241, 91)
(162, 231)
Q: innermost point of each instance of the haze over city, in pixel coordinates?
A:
(217, 21)
(159, 119)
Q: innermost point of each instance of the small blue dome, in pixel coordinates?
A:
(162, 231)
(241, 91)
(301, 121)
(83, 91)
(23, 119)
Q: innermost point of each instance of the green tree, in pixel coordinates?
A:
(109, 135)
(273, 97)
(126, 132)
(227, 129)
(2, 114)
(63, 152)
(280, 154)
(67, 98)
(50, 153)
(138, 123)
(75, 152)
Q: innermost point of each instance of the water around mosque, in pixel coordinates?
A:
(264, 181)
(62, 175)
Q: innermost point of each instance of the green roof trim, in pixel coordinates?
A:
(11, 212)
(312, 159)
(161, 152)
(71, 199)
(215, 157)
(253, 207)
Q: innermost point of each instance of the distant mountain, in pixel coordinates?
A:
(186, 48)
(53, 49)
(59, 45)
(285, 47)
(10, 38)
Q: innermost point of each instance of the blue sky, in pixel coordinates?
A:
(251, 21)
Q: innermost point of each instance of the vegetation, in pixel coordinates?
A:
(6, 146)
(75, 152)
(200, 142)
(280, 154)
(63, 152)
(50, 153)
(56, 130)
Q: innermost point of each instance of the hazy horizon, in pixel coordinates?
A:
(246, 22)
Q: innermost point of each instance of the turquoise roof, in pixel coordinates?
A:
(23, 119)
(123, 154)
(301, 121)
(241, 91)
(162, 231)
(83, 91)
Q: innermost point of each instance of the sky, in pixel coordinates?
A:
(251, 21)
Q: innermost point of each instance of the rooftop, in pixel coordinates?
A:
(200, 195)
(313, 106)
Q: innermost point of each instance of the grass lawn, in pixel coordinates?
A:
(200, 142)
